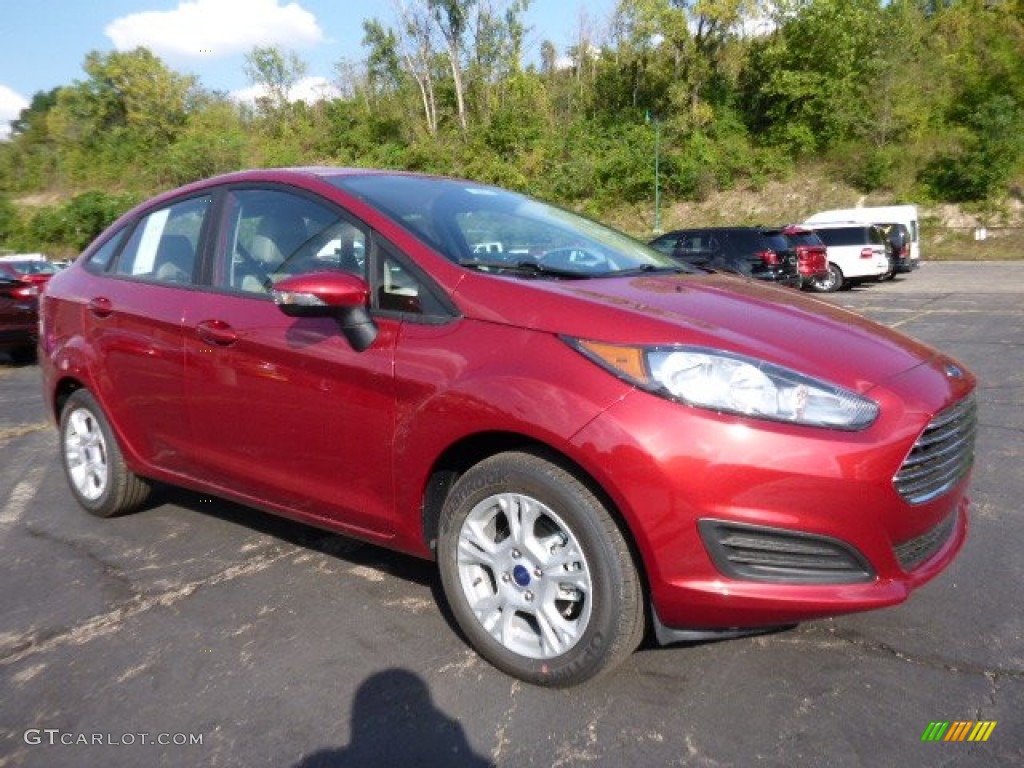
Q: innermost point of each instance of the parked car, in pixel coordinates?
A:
(901, 214)
(589, 438)
(35, 271)
(759, 252)
(856, 252)
(811, 254)
(19, 318)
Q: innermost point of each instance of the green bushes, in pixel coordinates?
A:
(63, 229)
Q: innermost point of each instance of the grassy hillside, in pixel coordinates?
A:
(947, 230)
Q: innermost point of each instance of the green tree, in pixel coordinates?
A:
(981, 43)
(276, 73)
(131, 106)
(803, 86)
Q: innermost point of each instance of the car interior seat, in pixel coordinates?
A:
(175, 259)
(275, 243)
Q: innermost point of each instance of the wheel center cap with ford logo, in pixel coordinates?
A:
(521, 575)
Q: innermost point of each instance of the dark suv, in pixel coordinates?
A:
(759, 252)
(898, 237)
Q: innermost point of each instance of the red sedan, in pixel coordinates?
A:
(588, 437)
(36, 271)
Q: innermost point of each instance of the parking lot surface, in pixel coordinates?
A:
(199, 632)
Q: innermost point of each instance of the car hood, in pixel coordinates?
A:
(740, 315)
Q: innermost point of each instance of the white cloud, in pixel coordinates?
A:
(11, 104)
(215, 28)
(308, 89)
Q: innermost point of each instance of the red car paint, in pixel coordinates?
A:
(222, 392)
(811, 253)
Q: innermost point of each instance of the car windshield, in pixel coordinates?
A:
(495, 230)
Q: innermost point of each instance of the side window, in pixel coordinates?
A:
(163, 244)
(102, 256)
(270, 234)
(400, 289)
(699, 243)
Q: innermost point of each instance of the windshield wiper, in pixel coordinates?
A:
(526, 268)
(649, 269)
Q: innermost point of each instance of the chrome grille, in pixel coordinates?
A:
(942, 455)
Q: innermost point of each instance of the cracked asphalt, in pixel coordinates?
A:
(280, 645)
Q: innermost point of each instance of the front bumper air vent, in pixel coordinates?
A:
(914, 552)
(757, 553)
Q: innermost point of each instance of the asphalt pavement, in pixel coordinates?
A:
(199, 632)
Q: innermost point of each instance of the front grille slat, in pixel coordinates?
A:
(940, 434)
(950, 455)
(942, 455)
(936, 476)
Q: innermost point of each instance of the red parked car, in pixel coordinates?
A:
(19, 318)
(35, 271)
(811, 253)
(21, 281)
(589, 438)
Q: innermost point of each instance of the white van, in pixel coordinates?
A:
(856, 252)
(882, 214)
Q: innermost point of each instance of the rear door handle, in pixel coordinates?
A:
(216, 332)
(101, 306)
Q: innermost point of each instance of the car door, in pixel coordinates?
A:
(283, 410)
(135, 307)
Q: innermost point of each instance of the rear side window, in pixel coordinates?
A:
(746, 241)
(844, 235)
(102, 256)
(698, 242)
(163, 244)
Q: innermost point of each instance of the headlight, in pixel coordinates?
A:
(730, 383)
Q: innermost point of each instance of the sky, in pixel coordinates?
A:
(43, 43)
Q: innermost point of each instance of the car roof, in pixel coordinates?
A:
(837, 224)
(744, 228)
(266, 175)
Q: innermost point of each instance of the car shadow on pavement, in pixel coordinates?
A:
(395, 722)
(335, 545)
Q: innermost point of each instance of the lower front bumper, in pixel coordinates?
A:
(705, 608)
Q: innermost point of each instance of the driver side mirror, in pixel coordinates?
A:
(340, 295)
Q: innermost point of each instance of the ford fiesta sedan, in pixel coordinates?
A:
(590, 439)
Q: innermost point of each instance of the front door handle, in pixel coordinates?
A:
(217, 333)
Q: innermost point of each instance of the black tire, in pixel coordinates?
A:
(93, 464)
(830, 284)
(529, 582)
